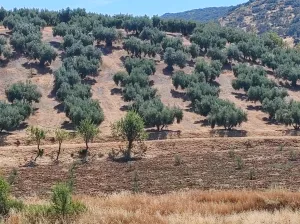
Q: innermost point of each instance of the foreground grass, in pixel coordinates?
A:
(191, 207)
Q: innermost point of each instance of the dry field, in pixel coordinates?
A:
(204, 164)
(193, 207)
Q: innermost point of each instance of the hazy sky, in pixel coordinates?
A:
(135, 7)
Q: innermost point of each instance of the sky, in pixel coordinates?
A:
(134, 7)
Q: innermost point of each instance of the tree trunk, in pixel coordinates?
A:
(157, 127)
(128, 153)
(58, 152)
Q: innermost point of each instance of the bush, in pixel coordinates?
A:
(62, 202)
(6, 203)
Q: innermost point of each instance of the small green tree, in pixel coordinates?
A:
(37, 134)
(60, 136)
(88, 131)
(130, 129)
(6, 203)
(62, 202)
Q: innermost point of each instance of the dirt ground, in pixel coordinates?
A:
(168, 166)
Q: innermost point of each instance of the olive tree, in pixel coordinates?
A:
(130, 129)
(26, 92)
(37, 134)
(289, 115)
(88, 131)
(60, 136)
(226, 115)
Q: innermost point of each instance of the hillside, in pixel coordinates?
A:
(281, 16)
(201, 15)
(145, 120)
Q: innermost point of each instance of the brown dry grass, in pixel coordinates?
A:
(191, 207)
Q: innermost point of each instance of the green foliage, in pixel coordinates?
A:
(147, 65)
(272, 106)
(171, 42)
(197, 91)
(60, 136)
(6, 203)
(62, 75)
(156, 114)
(109, 35)
(233, 53)
(172, 57)
(259, 93)
(133, 91)
(154, 35)
(78, 109)
(120, 77)
(217, 54)
(130, 129)
(37, 134)
(66, 90)
(11, 115)
(43, 52)
(88, 131)
(226, 115)
(289, 115)
(83, 65)
(211, 71)
(26, 92)
(290, 72)
(194, 50)
(251, 77)
(62, 202)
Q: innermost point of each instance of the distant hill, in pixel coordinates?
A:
(201, 15)
(281, 16)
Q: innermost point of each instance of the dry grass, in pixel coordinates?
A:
(188, 207)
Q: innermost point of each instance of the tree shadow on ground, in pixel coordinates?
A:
(292, 132)
(179, 95)
(289, 87)
(3, 137)
(124, 108)
(68, 126)
(161, 135)
(40, 69)
(56, 44)
(167, 71)
(269, 121)
(106, 50)
(116, 91)
(203, 123)
(240, 96)
(89, 81)
(256, 108)
(227, 133)
(60, 108)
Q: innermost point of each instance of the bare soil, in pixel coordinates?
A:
(204, 164)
